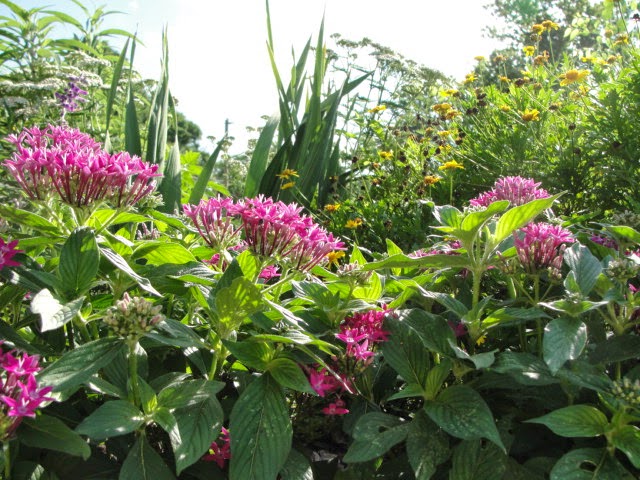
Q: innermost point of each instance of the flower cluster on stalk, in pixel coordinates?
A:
(271, 229)
(516, 190)
(324, 383)
(220, 449)
(69, 98)
(133, 317)
(7, 252)
(361, 332)
(540, 247)
(20, 394)
(71, 163)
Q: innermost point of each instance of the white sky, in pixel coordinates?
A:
(219, 66)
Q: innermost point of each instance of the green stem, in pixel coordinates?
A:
(133, 372)
(7, 459)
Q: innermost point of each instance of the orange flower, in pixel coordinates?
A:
(532, 115)
(332, 207)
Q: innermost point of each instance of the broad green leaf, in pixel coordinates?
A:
(410, 390)
(261, 431)
(430, 261)
(585, 267)
(374, 434)
(434, 331)
(473, 461)
(28, 219)
(289, 375)
(616, 349)
(297, 467)
(448, 216)
(474, 221)
(144, 463)
(511, 316)
(405, 352)
(123, 266)
(52, 313)
(525, 368)
(623, 231)
(581, 463)
(172, 332)
(51, 433)
(79, 262)
(187, 393)
(573, 308)
(436, 377)
(564, 339)
(235, 303)
(447, 301)
(252, 354)
(112, 418)
(197, 426)
(479, 360)
(518, 217)
(77, 366)
(627, 439)
(461, 412)
(160, 253)
(427, 446)
(574, 421)
(107, 216)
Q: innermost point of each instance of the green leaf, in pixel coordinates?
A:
(28, 219)
(519, 216)
(236, 302)
(427, 446)
(132, 140)
(261, 432)
(564, 339)
(585, 267)
(289, 375)
(161, 253)
(625, 232)
(574, 421)
(123, 266)
(616, 349)
(433, 330)
(573, 308)
(252, 354)
(434, 261)
(197, 427)
(260, 157)
(52, 313)
(172, 332)
(525, 368)
(297, 467)
(436, 377)
(473, 461)
(474, 221)
(374, 434)
(405, 352)
(143, 463)
(52, 434)
(112, 418)
(580, 464)
(171, 185)
(79, 262)
(461, 412)
(77, 366)
(627, 439)
(198, 190)
(448, 215)
(511, 316)
(115, 80)
(188, 393)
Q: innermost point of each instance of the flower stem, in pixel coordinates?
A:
(7, 459)
(133, 372)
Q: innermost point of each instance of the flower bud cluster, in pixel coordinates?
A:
(622, 269)
(133, 317)
(627, 391)
(20, 395)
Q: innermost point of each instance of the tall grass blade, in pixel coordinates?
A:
(205, 175)
(157, 126)
(171, 185)
(115, 80)
(260, 157)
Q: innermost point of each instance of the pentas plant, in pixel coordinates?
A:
(20, 395)
(7, 252)
(71, 163)
(516, 190)
(541, 246)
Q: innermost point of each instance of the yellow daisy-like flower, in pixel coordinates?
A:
(378, 108)
(541, 59)
(444, 133)
(529, 50)
(287, 173)
(550, 25)
(451, 114)
(450, 92)
(611, 59)
(573, 76)
(334, 256)
(622, 39)
(386, 155)
(353, 223)
(451, 165)
(588, 59)
(469, 78)
(505, 108)
(332, 207)
(287, 185)
(499, 59)
(504, 79)
(442, 108)
(431, 180)
(608, 33)
(537, 29)
(479, 58)
(481, 340)
(532, 115)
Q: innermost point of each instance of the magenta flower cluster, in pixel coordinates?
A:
(324, 384)
(361, 332)
(540, 246)
(517, 190)
(71, 163)
(7, 252)
(270, 229)
(19, 392)
(220, 449)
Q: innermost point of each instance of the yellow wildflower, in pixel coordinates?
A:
(532, 115)
(588, 59)
(550, 25)
(441, 108)
(332, 207)
(353, 223)
(537, 29)
(505, 108)
(378, 108)
(611, 59)
(287, 173)
(386, 155)
(504, 79)
(287, 185)
(450, 92)
(469, 78)
(451, 165)
(541, 59)
(608, 33)
(481, 340)
(573, 76)
(479, 58)
(622, 39)
(444, 133)
(334, 256)
(431, 180)
(529, 50)
(499, 59)
(451, 114)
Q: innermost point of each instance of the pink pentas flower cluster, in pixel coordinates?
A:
(325, 383)
(540, 246)
(361, 332)
(516, 190)
(270, 229)
(20, 395)
(220, 449)
(71, 163)
(7, 252)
